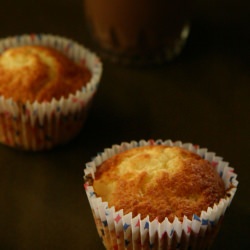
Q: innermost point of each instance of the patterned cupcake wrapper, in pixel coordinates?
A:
(39, 126)
(122, 231)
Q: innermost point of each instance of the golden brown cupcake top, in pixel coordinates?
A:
(159, 181)
(38, 73)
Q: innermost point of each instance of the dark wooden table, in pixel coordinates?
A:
(201, 97)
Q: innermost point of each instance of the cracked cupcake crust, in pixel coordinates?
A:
(39, 73)
(159, 181)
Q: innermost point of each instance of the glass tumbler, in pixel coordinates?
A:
(138, 31)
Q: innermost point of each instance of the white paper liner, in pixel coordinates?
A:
(47, 114)
(137, 233)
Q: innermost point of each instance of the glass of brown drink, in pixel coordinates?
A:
(138, 31)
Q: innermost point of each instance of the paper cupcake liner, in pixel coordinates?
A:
(38, 126)
(122, 231)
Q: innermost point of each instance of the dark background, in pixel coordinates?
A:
(202, 97)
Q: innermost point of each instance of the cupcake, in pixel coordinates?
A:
(158, 195)
(47, 83)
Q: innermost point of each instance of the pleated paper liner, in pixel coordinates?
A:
(39, 126)
(122, 231)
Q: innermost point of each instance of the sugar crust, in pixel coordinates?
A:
(39, 73)
(158, 181)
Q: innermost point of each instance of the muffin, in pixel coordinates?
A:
(39, 73)
(46, 86)
(158, 195)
